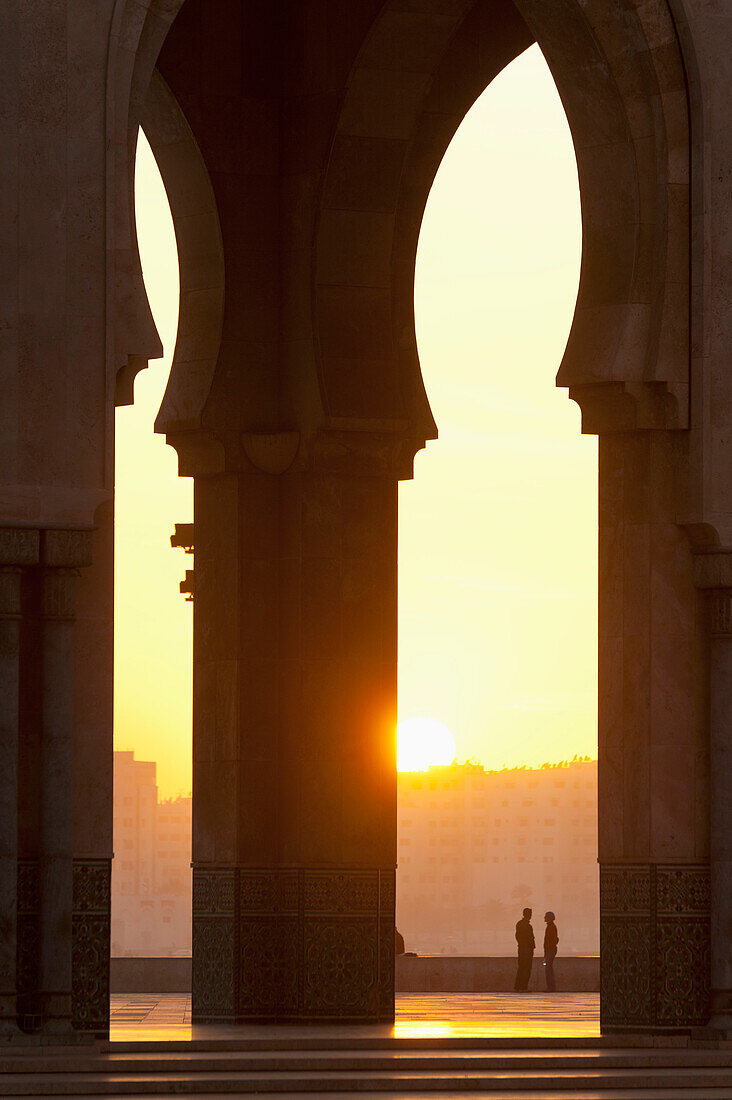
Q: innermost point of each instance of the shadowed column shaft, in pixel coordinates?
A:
(10, 578)
(294, 786)
(57, 703)
(653, 745)
(721, 807)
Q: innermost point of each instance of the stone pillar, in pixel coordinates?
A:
(714, 577)
(18, 554)
(653, 747)
(294, 786)
(62, 553)
(10, 580)
(56, 816)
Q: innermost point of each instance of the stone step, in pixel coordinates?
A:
(156, 1061)
(699, 1081)
(524, 1094)
(319, 1039)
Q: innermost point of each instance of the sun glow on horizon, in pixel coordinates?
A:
(422, 742)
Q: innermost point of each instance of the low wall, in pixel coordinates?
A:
(491, 974)
(422, 974)
(150, 975)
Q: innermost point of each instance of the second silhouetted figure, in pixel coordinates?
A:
(526, 944)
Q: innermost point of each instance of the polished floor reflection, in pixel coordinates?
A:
(167, 1016)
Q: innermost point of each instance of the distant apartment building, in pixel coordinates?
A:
(475, 847)
(151, 875)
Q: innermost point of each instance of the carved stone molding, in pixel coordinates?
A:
(373, 448)
(90, 940)
(712, 565)
(66, 548)
(19, 545)
(655, 946)
(296, 944)
(616, 406)
(271, 452)
(720, 612)
(58, 594)
(713, 575)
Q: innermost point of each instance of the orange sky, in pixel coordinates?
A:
(498, 531)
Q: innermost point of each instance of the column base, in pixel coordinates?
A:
(54, 1010)
(295, 945)
(90, 938)
(654, 947)
(9, 1029)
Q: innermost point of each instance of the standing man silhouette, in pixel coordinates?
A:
(526, 944)
(551, 939)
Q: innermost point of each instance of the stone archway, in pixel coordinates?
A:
(320, 131)
(333, 273)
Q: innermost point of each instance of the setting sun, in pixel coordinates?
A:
(422, 742)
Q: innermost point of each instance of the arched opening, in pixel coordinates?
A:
(498, 546)
(151, 880)
(317, 379)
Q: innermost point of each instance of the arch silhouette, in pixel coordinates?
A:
(318, 163)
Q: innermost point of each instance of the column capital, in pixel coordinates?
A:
(65, 547)
(19, 545)
(347, 446)
(713, 575)
(616, 406)
(713, 568)
(10, 591)
(58, 594)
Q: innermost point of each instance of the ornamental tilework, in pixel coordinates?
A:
(299, 944)
(655, 946)
(267, 970)
(341, 970)
(90, 930)
(28, 934)
(213, 968)
(682, 968)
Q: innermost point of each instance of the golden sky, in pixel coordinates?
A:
(498, 531)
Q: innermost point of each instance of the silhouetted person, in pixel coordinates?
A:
(526, 944)
(551, 939)
(398, 942)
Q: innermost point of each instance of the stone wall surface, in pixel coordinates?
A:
(298, 144)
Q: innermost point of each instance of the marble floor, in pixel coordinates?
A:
(167, 1016)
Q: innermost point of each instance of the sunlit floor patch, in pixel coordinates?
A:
(418, 1015)
(497, 1014)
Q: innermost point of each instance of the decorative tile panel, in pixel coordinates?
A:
(28, 935)
(300, 944)
(341, 968)
(90, 931)
(655, 946)
(213, 968)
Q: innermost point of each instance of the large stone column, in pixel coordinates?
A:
(294, 787)
(653, 748)
(19, 549)
(63, 552)
(714, 577)
(56, 811)
(10, 580)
